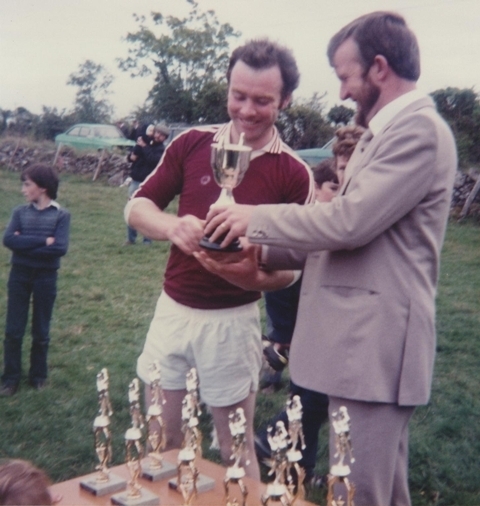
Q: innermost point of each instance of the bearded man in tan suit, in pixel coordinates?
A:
(365, 332)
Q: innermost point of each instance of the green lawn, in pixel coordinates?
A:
(106, 298)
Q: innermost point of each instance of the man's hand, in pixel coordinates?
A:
(233, 219)
(186, 232)
(241, 269)
(50, 241)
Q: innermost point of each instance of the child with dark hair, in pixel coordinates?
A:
(326, 180)
(38, 235)
(22, 484)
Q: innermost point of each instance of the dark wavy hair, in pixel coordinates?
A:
(264, 54)
(381, 33)
(43, 176)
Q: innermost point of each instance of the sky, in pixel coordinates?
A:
(42, 42)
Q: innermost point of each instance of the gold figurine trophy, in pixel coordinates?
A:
(339, 472)
(229, 163)
(103, 482)
(188, 481)
(235, 473)
(295, 473)
(135, 494)
(278, 491)
(156, 469)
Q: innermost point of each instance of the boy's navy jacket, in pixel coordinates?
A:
(34, 226)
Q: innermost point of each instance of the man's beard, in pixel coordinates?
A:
(366, 102)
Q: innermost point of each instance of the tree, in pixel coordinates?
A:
(189, 58)
(20, 121)
(93, 81)
(461, 109)
(302, 124)
(52, 122)
(340, 115)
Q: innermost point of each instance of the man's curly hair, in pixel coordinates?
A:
(346, 140)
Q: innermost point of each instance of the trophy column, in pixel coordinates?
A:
(103, 482)
(340, 471)
(235, 473)
(189, 482)
(156, 468)
(135, 494)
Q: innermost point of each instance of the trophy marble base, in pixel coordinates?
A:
(235, 473)
(204, 483)
(166, 471)
(114, 484)
(146, 499)
(340, 470)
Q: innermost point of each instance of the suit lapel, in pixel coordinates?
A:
(354, 163)
(356, 158)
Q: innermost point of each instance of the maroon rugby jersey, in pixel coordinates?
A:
(278, 176)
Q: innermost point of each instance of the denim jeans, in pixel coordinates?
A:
(24, 283)
(131, 232)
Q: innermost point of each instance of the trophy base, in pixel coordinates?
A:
(276, 491)
(166, 471)
(233, 247)
(235, 473)
(204, 484)
(146, 499)
(340, 470)
(99, 488)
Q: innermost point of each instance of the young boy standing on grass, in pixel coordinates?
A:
(37, 234)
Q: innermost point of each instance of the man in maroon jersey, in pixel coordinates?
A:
(201, 320)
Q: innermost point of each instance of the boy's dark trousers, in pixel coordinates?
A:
(41, 285)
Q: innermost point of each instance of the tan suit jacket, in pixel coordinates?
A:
(366, 321)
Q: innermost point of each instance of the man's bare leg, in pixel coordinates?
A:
(220, 420)
(172, 415)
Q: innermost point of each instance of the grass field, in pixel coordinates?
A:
(106, 298)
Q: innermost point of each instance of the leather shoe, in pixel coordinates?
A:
(7, 390)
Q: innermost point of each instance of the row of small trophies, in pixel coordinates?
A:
(286, 446)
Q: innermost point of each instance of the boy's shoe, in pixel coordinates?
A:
(8, 389)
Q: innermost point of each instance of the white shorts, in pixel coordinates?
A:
(223, 344)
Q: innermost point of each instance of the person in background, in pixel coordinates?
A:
(145, 156)
(326, 180)
(346, 139)
(38, 235)
(23, 484)
(136, 131)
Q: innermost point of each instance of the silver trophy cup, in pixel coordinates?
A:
(229, 163)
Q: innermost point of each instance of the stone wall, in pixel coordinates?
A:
(18, 153)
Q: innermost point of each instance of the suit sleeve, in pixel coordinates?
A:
(398, 175)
